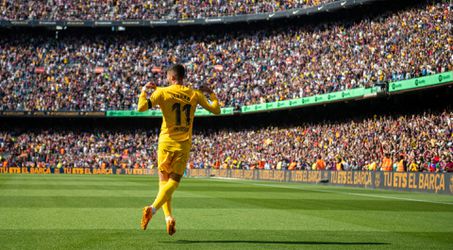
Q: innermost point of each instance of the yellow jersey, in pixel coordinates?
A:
(178, 104)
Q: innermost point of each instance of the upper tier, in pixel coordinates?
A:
(104, 71)
(142, 10)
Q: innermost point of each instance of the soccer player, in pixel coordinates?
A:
(178, 104)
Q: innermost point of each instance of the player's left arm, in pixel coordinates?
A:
(145, 103)
(214, 106)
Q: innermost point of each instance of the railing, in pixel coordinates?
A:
(400, 181)
(158, 113)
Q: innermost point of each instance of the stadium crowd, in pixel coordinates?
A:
(422, 142)
(105, 72)
(134, 9)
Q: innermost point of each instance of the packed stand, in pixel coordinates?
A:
(141, 10)
(105, 72)
(422, 142)
(78, 149)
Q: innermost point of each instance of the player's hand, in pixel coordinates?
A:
(206, 89)
(149, 86)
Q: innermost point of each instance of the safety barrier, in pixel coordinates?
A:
(441, 183)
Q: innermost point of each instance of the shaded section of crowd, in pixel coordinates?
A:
(141, 10)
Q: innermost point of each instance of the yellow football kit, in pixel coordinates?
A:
(178, 104)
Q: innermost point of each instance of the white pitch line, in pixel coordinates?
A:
(397, 198)
(339, 192)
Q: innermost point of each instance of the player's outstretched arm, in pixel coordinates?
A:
(214, 106)
(143, 102)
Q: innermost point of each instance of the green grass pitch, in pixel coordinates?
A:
(103, 212)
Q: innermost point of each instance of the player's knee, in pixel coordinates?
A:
(176, 177)
(163, 176)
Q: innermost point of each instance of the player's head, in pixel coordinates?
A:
(176, 73)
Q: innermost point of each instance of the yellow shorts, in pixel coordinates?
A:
(173, 157)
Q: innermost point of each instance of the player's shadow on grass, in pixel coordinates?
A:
(275, 242)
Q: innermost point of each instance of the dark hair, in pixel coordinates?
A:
(178, 70)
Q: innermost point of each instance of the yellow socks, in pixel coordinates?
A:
(167, 205)
(165, 193)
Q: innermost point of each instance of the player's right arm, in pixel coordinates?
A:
(214, 106)
(145, 103)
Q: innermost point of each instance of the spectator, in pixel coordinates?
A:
(449, 164)
(320, 164)
(387, 163)
(401, 165)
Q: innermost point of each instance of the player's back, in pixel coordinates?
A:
(178, 104)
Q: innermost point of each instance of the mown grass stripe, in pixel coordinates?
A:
(221, 239)
(214, 203)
